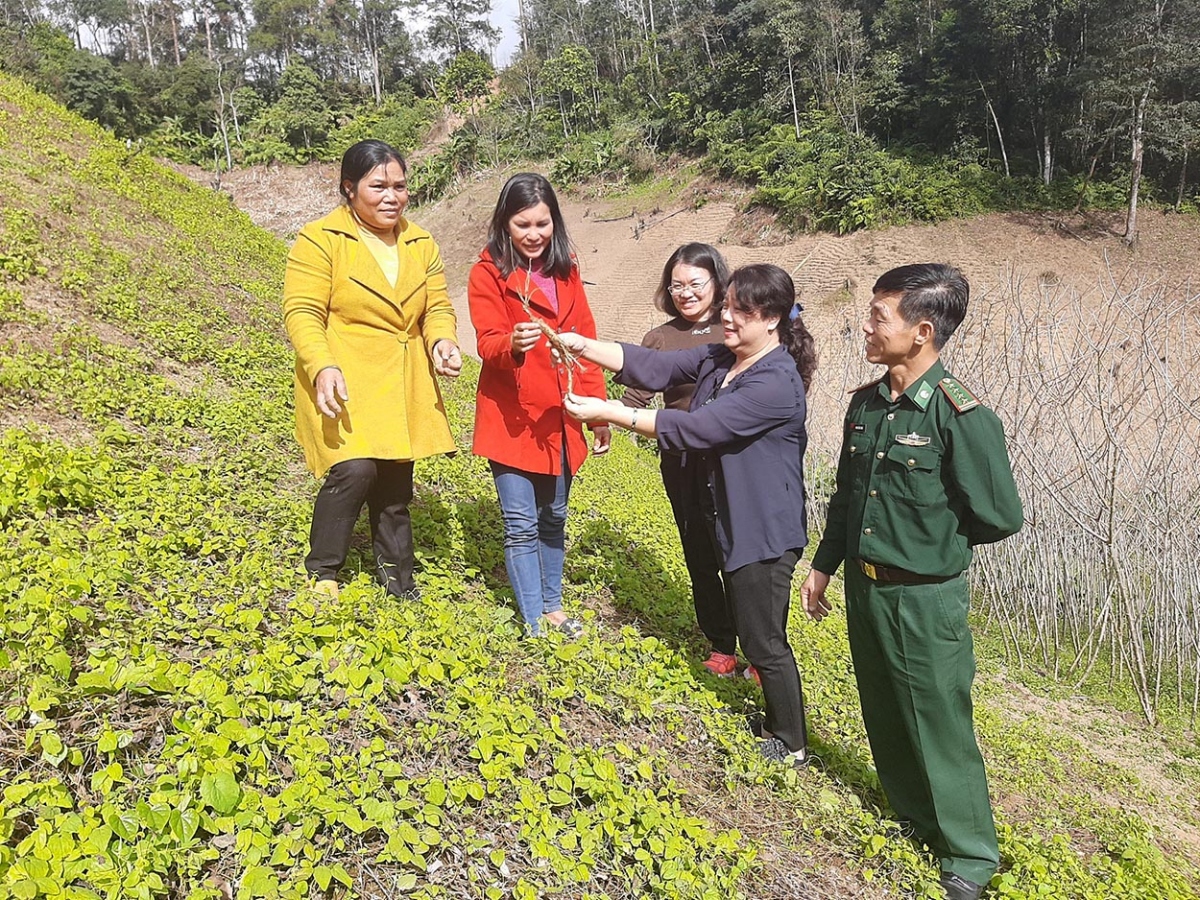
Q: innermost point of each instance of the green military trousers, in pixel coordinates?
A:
(914, 660)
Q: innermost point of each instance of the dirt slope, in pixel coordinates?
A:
(621, 254)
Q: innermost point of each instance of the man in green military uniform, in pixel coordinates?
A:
(923, 477)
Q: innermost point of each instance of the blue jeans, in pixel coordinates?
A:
(534, 509)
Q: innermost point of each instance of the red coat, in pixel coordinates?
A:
(519, 419)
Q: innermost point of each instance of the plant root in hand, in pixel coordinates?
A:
(568, 358)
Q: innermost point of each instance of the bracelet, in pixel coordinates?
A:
(633, 419)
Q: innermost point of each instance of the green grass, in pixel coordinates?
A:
(181, 718)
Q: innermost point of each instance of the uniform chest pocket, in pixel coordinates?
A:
(914, 473)
(858, 456)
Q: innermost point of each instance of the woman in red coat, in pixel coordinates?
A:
(533, 446)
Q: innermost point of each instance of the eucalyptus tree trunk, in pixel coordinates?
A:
(999, 132)
(792, 89)
(1137, 152)
(1182, 179)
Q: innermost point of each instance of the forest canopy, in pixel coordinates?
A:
(839, 114)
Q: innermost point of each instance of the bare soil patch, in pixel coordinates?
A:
(621, 251)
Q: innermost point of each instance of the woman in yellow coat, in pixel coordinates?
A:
(366, 308)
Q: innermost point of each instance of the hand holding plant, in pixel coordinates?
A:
(589, 409)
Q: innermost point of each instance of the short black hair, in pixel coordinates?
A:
(935, 291)
(702, 256)
(523, 190)
(364, 156)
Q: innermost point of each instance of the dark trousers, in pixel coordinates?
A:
(683, 483)
(386, 486)
(761, 595)
(914, 661)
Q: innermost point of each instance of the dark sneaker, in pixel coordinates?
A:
(958, 888)
(774, 749)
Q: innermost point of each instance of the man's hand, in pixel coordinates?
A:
(447, 359)
(330, 386)
(812, 595)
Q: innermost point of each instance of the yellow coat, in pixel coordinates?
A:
(340, 310)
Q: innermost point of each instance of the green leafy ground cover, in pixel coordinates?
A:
(180, 718)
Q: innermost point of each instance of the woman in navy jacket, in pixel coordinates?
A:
(748, 417)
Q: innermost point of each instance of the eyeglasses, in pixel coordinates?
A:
(695, 287)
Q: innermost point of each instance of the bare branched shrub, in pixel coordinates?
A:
(1100, 397)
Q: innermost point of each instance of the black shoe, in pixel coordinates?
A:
(958, 888)
(774, 749)
(385, 574)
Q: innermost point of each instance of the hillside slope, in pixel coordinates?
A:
(181, 719)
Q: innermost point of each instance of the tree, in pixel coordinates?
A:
(457, 26)
(301, 115)
(467, 77)
(570, 77)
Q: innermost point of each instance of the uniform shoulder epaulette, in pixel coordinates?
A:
(960, 398)
(869, 384)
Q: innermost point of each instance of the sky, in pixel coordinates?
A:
(504, 17)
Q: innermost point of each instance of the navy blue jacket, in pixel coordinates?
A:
(754, 437)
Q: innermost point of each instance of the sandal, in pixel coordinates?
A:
(571, 627)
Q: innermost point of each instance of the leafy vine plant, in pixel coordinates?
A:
(568, 358)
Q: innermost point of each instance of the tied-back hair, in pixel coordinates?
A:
(767, 291)
(934, 291)
(520, 192)
(702, 256)
(362, 158)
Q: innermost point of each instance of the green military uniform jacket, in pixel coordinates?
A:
(921, 480)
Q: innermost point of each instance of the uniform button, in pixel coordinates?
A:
(866, 531)
(874, 493)
(402, 337)
(912, 462)
(891, 416)
(853, 448)
(879, 455)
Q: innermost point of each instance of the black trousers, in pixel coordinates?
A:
(684, 482)
(386, 486)
(761, 595)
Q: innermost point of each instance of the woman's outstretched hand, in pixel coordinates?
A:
(587, 409)
(573, 342)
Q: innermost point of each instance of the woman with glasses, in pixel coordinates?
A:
(690, 292)
(747, 416)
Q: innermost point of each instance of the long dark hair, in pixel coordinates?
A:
(520, 192)
(702, 256)
(362, 158)
(766, 291)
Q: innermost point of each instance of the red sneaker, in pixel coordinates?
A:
(751, 674)
(721, 664)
